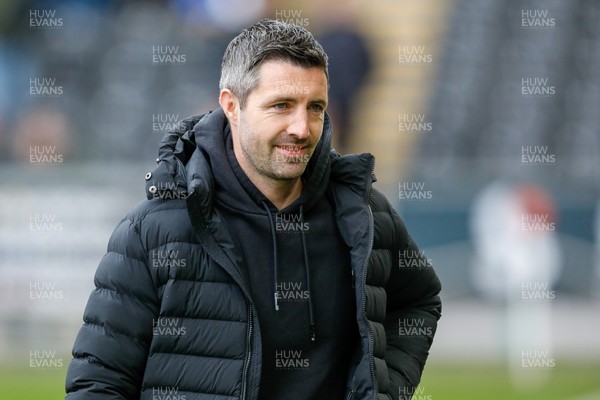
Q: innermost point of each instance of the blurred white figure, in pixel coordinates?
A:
(233, 14)
(596, 277)
(518, 262)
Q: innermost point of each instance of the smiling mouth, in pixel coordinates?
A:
(291, 149)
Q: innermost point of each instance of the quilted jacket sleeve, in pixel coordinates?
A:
(109, 354)
(413, 309)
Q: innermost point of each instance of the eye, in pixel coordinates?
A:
(280, 106)
(316, 107)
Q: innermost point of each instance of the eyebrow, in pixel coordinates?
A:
(277, 99)
(320, 101)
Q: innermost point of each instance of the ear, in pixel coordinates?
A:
(230, 105)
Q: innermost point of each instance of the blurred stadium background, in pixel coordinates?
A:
(484, 117)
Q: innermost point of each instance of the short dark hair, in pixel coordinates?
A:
(266, 40)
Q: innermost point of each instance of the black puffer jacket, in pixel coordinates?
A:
(117, 356)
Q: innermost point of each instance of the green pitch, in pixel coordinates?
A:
(567, 381)
(440, 382)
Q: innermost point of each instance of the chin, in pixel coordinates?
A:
(290, 174)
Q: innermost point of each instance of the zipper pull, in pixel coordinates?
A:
(276, 296)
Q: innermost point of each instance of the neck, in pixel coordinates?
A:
(280, 193)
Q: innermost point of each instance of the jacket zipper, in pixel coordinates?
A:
(249, 353)
(242, 284)
(364, 309)
(351, 394)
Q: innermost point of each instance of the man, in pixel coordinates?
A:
(263, 266)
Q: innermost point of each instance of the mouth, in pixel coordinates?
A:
(292, 150)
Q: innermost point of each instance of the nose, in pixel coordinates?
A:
(299, 124)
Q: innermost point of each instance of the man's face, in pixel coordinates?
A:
(282, 121)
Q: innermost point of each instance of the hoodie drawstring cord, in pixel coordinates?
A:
(311, 316)
(274, 241)
(313, 325)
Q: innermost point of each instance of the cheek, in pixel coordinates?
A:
(258, 139)
(316, 129)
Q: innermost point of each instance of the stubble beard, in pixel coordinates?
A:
(264, 161)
